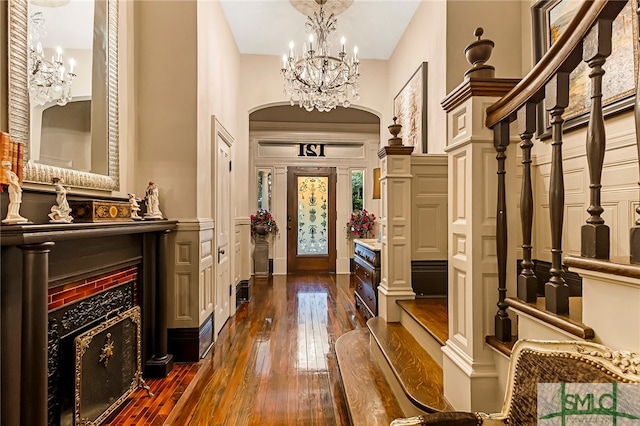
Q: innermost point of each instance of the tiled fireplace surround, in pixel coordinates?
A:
(74, 308)
(64, 294)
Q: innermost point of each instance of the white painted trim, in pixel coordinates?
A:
(185, 225)
(280, 126)
(616, 141)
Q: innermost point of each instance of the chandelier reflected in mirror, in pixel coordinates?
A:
(318, 79)
(48, 79)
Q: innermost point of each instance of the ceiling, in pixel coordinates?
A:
(265, 27)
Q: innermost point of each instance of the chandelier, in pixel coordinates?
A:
(318, 79)
(48, 81)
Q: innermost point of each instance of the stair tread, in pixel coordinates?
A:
(431, 314)
(418, 374)
(370, 399)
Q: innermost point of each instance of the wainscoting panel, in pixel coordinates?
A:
(619, 191)
(429, 209)
(191, 302)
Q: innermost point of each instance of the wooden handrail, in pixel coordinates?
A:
(564, 55)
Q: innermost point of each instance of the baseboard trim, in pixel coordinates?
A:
(429, 277)
(243, 292)
(190, 344)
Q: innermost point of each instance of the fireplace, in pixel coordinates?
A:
(58, 282)
(80, 321)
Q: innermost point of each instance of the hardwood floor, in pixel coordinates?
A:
(274, 363)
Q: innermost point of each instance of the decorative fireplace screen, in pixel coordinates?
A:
(108, 367)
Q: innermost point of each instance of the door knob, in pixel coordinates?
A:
(220, 253)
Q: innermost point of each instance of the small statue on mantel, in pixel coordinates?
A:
(152, 202)
(15, 196)
(60, 212)
(135, 207)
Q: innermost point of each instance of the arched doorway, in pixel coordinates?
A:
(284, 138)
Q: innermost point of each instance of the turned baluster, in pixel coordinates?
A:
(596, 49)
(500, 143)
(556, 100)
(527, 281)
(635, 231)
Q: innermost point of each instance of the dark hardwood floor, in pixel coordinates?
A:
(274, 363)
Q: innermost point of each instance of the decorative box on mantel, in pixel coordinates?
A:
(100, 210)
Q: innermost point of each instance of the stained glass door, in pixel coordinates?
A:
(311, 219)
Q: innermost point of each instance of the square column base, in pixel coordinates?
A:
(387, 306)
(468, 385)
(159, 368)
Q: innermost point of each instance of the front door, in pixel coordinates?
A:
(311, 219)
(222, 229)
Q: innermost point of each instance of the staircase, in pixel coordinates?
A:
(392, 370)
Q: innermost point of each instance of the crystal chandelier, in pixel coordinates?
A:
(48, 81)
(318, 79)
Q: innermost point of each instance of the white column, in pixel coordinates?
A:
(470, 376)
(343, 200)
(395, 269)
(279, 210)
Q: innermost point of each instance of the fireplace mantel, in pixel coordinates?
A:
(38, 257)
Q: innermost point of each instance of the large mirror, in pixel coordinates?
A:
(63, 90)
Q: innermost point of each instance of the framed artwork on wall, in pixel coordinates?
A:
(550, 18)
(410, 106)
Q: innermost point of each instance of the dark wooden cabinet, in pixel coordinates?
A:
(367, 278)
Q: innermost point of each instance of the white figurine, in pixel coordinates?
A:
(152, 202)
(15, 196)
(60, 213)
(135, 207)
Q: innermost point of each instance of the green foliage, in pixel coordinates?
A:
(357, 190)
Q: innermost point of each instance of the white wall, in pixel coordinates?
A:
(217, 95)
(423, 42)
(438, 34)
(166, 94)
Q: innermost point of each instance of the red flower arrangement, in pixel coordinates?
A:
(263, 220)
(361, 224)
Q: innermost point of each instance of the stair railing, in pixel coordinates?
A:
(586, 38)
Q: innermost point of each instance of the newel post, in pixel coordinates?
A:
(480, 261)
(395, 187)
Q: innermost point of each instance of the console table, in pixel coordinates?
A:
(367, 271)
(38, 258)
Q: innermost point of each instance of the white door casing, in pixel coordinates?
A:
(223, 227)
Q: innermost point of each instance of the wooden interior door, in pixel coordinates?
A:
(311, 219)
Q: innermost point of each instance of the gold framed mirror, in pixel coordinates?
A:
(103, 101)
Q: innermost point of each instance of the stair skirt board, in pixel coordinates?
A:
(408, 408)
(370, 400)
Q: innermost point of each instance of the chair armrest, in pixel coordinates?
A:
(451, 418)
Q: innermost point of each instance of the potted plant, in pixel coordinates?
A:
(263, 224)
(361, 224)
